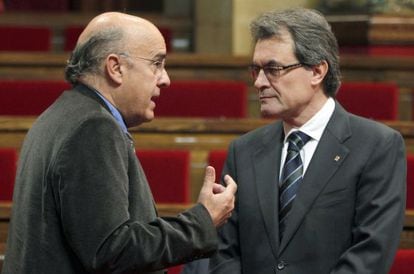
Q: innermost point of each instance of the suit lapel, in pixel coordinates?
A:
(328, 157)
(266, 162)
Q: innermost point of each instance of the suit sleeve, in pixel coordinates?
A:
(227, 259)
(91, 172)
(379, 210)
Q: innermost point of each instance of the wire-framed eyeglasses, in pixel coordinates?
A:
(271, 71)
(158, 64)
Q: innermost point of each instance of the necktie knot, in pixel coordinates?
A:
(297, 140)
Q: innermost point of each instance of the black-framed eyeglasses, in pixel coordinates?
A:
(271, 71)
(158, 64)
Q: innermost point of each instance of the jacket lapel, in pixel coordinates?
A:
(328, 157)
(266, 161)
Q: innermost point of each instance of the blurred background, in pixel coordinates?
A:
(214, 26)
(211, 99)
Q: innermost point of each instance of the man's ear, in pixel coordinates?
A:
(319, 71)
(113, 68)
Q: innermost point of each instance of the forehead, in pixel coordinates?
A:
(148, 42)
(275, 49)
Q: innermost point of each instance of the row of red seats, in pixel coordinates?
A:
(213, 99)
(31, 38)
(39, 39)
(167, 172)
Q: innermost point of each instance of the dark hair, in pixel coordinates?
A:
(87, 57)
(312, 36)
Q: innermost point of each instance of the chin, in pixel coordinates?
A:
(266, 113)
(140, 120)
(149, 117)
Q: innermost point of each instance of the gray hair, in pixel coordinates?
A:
(87, 57)
(312, 36)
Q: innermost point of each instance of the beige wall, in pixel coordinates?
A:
(222, 26)
(244, 11)
(213, 26)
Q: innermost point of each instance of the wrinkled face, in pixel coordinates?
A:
(143, 77)
(284, 93)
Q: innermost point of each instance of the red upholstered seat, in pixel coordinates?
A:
(18, 97)
(212, 99)
(216, 159)
(410, 181)
(404, 262)
(8, 162)
(175, 269)
(167, 172)
(378, 101)
(25, 38)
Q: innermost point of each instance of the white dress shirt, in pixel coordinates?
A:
(314, 128)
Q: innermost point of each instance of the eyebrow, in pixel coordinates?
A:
(160, 56)
(272, 63)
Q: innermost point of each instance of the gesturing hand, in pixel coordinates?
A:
(218, 199)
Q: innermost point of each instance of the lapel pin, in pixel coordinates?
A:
(337, 157)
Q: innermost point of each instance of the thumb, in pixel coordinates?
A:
(230, 184)
(209, 178)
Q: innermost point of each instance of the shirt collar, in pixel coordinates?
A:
(317, 124)
(117, 115)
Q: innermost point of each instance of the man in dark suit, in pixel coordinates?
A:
(81, 201)
(320, 190)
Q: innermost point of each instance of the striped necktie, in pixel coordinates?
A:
(291, 178)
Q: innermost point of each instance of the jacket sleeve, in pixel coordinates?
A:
(92, 197)
(379, 210)
(227, 259)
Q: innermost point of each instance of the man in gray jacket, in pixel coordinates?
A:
(81, 201)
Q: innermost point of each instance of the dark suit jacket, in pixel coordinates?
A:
(348, 213)
(82, 203)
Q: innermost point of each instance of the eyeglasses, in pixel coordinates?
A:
(271, 72)
(159, 65)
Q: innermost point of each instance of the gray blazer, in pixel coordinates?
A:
(82, 203)
(348, 213)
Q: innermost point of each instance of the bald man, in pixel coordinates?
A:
(81, 201)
